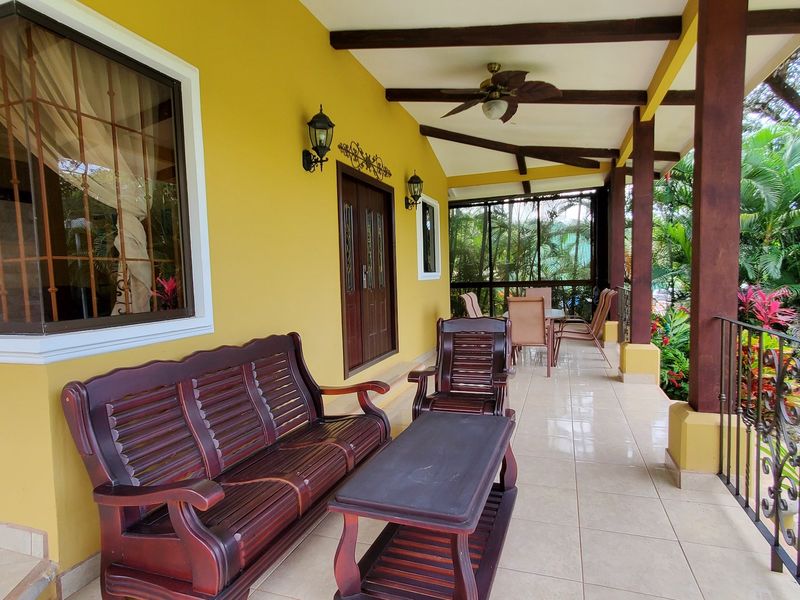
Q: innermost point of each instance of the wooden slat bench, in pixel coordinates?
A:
(207, 469)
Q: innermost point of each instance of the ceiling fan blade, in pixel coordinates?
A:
(463, 107)
(513, 104)
(509, 79)
(537, 90)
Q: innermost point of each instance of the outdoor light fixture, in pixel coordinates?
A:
(320, 132)
(414, 190)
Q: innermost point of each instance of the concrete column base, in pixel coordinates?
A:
(639, 363)
(693, 443)
(610, 333)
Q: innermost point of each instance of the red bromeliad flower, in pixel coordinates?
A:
(654, 327)
(168, 292)
(766, 307)
(665, 340)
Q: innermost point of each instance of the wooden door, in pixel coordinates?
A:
(367, 269)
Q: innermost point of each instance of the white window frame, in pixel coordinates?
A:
(437, 234)
(42, 349)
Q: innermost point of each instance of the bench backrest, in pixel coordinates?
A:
(469, 352)
(166, 421)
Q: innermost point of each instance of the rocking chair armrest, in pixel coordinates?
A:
(200, 493)
(378, 387)
(416, 376)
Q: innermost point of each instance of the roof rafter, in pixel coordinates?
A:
(534, 174)
(604, 97)
(763, 22)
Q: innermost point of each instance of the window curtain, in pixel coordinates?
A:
(86, 121)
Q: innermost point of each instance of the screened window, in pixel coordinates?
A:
(500, 246)
(92, 203)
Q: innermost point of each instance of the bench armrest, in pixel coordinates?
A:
(415, 376)
(200, 493)
(361, 390)
(499, 379)
(366, 386)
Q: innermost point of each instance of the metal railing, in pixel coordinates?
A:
(624, 312)
(759, 417)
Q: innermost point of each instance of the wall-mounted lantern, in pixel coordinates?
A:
(320, 132)
(414, 190)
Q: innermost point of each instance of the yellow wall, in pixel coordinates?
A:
(264, 69)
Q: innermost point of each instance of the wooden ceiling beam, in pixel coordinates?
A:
(761, 22)
(593, 97)
(533, 174)
(549, 153)
(522, 167)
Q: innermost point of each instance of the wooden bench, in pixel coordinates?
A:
(206, 470)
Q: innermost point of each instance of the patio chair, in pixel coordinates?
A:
(574, 327)
(529, 326)
(471, 368)
(541, 292)
(471, 305)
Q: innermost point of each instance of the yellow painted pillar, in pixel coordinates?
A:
(610, 332)
(639, 363)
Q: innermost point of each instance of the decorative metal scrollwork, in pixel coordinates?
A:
(779, 431)
(363, 161)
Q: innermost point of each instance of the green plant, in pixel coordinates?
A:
(670, 332)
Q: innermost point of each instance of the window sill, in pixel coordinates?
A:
(44, 349)
(429, 276)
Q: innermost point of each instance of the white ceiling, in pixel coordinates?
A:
(607, 66)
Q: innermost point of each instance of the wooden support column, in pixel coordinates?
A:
(616, 233)
(642, 238)
(721, 45)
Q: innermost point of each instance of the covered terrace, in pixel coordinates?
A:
(619, 494)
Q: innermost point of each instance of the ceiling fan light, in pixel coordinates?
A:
(494, 109)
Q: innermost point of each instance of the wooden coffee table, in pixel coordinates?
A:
(434, 484)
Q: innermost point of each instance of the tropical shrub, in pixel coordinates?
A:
(766, 309)
(670, 332)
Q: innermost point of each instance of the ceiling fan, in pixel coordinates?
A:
(501, 93)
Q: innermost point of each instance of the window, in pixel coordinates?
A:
(97, 190)
(428, 246)
(502, 245)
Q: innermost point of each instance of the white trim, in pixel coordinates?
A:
(421, 273)
(62, 346)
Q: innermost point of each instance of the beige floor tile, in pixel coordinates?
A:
(546, 504)
(516, 585)
(651, 436)
(726, 574)
(548, 472)
(598, 401)
(368, 529)
(552, 427)
(543, 446)
(714, 525)
(555, 409)
(614, 479)
(637, 564)
(542, 548)
(625, 514)
(617, 453)
(596, 592)
(714, 492)
(653, 455)
(607, 430)
(592, 412)
(307, 573)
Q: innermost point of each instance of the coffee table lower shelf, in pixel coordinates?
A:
(414, 563)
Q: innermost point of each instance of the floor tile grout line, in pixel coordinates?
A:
(607, 587)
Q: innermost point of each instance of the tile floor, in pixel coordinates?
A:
(597, 516)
